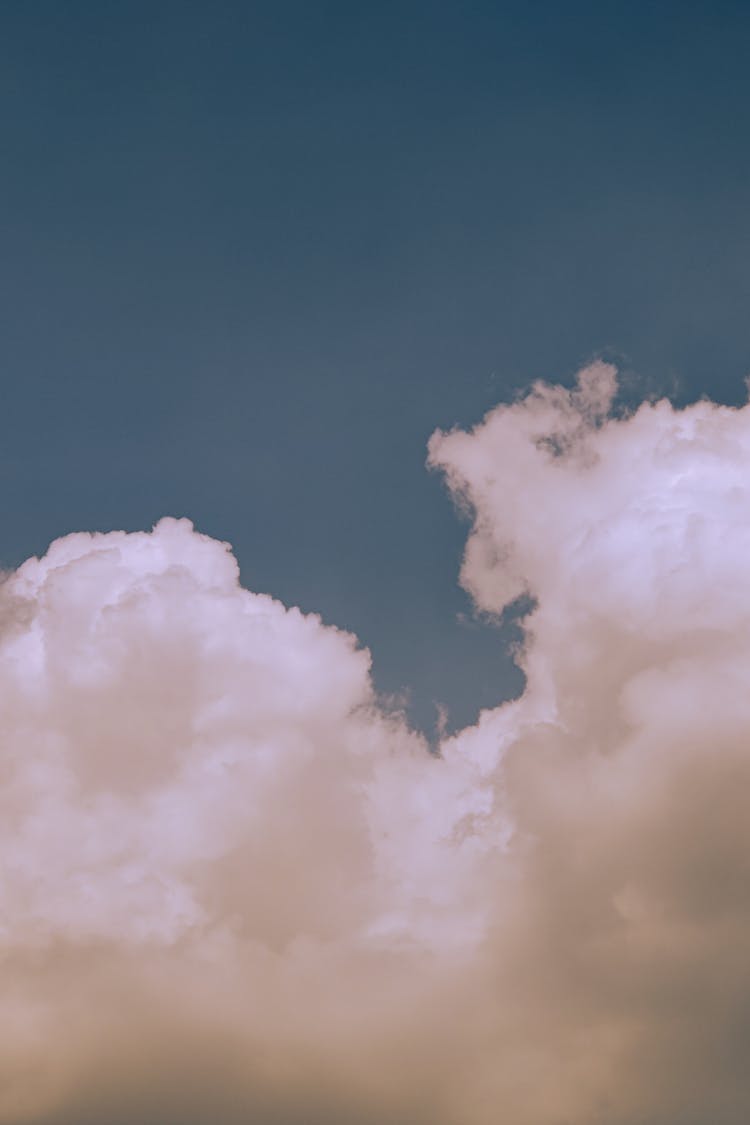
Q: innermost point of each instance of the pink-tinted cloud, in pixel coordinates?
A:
(234, 888)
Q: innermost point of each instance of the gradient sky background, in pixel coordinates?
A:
(254, 254)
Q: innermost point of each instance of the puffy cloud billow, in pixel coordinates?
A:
(234, 888)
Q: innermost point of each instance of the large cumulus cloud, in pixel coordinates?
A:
(234, 888)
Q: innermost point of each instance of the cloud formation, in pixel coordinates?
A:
(234, 888)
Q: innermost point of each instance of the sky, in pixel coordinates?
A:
(374, 607)
(254, 254)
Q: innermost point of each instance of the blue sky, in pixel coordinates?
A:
(254, 254)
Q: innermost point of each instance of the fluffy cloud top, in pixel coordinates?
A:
(233, 888)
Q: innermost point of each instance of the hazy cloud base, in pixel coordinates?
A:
(233, 888)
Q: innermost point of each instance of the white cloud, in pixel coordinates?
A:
(232, 886)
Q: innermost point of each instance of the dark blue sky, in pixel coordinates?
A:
(253, 254)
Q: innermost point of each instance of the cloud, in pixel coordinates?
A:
(626, 769)
(234, 887)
